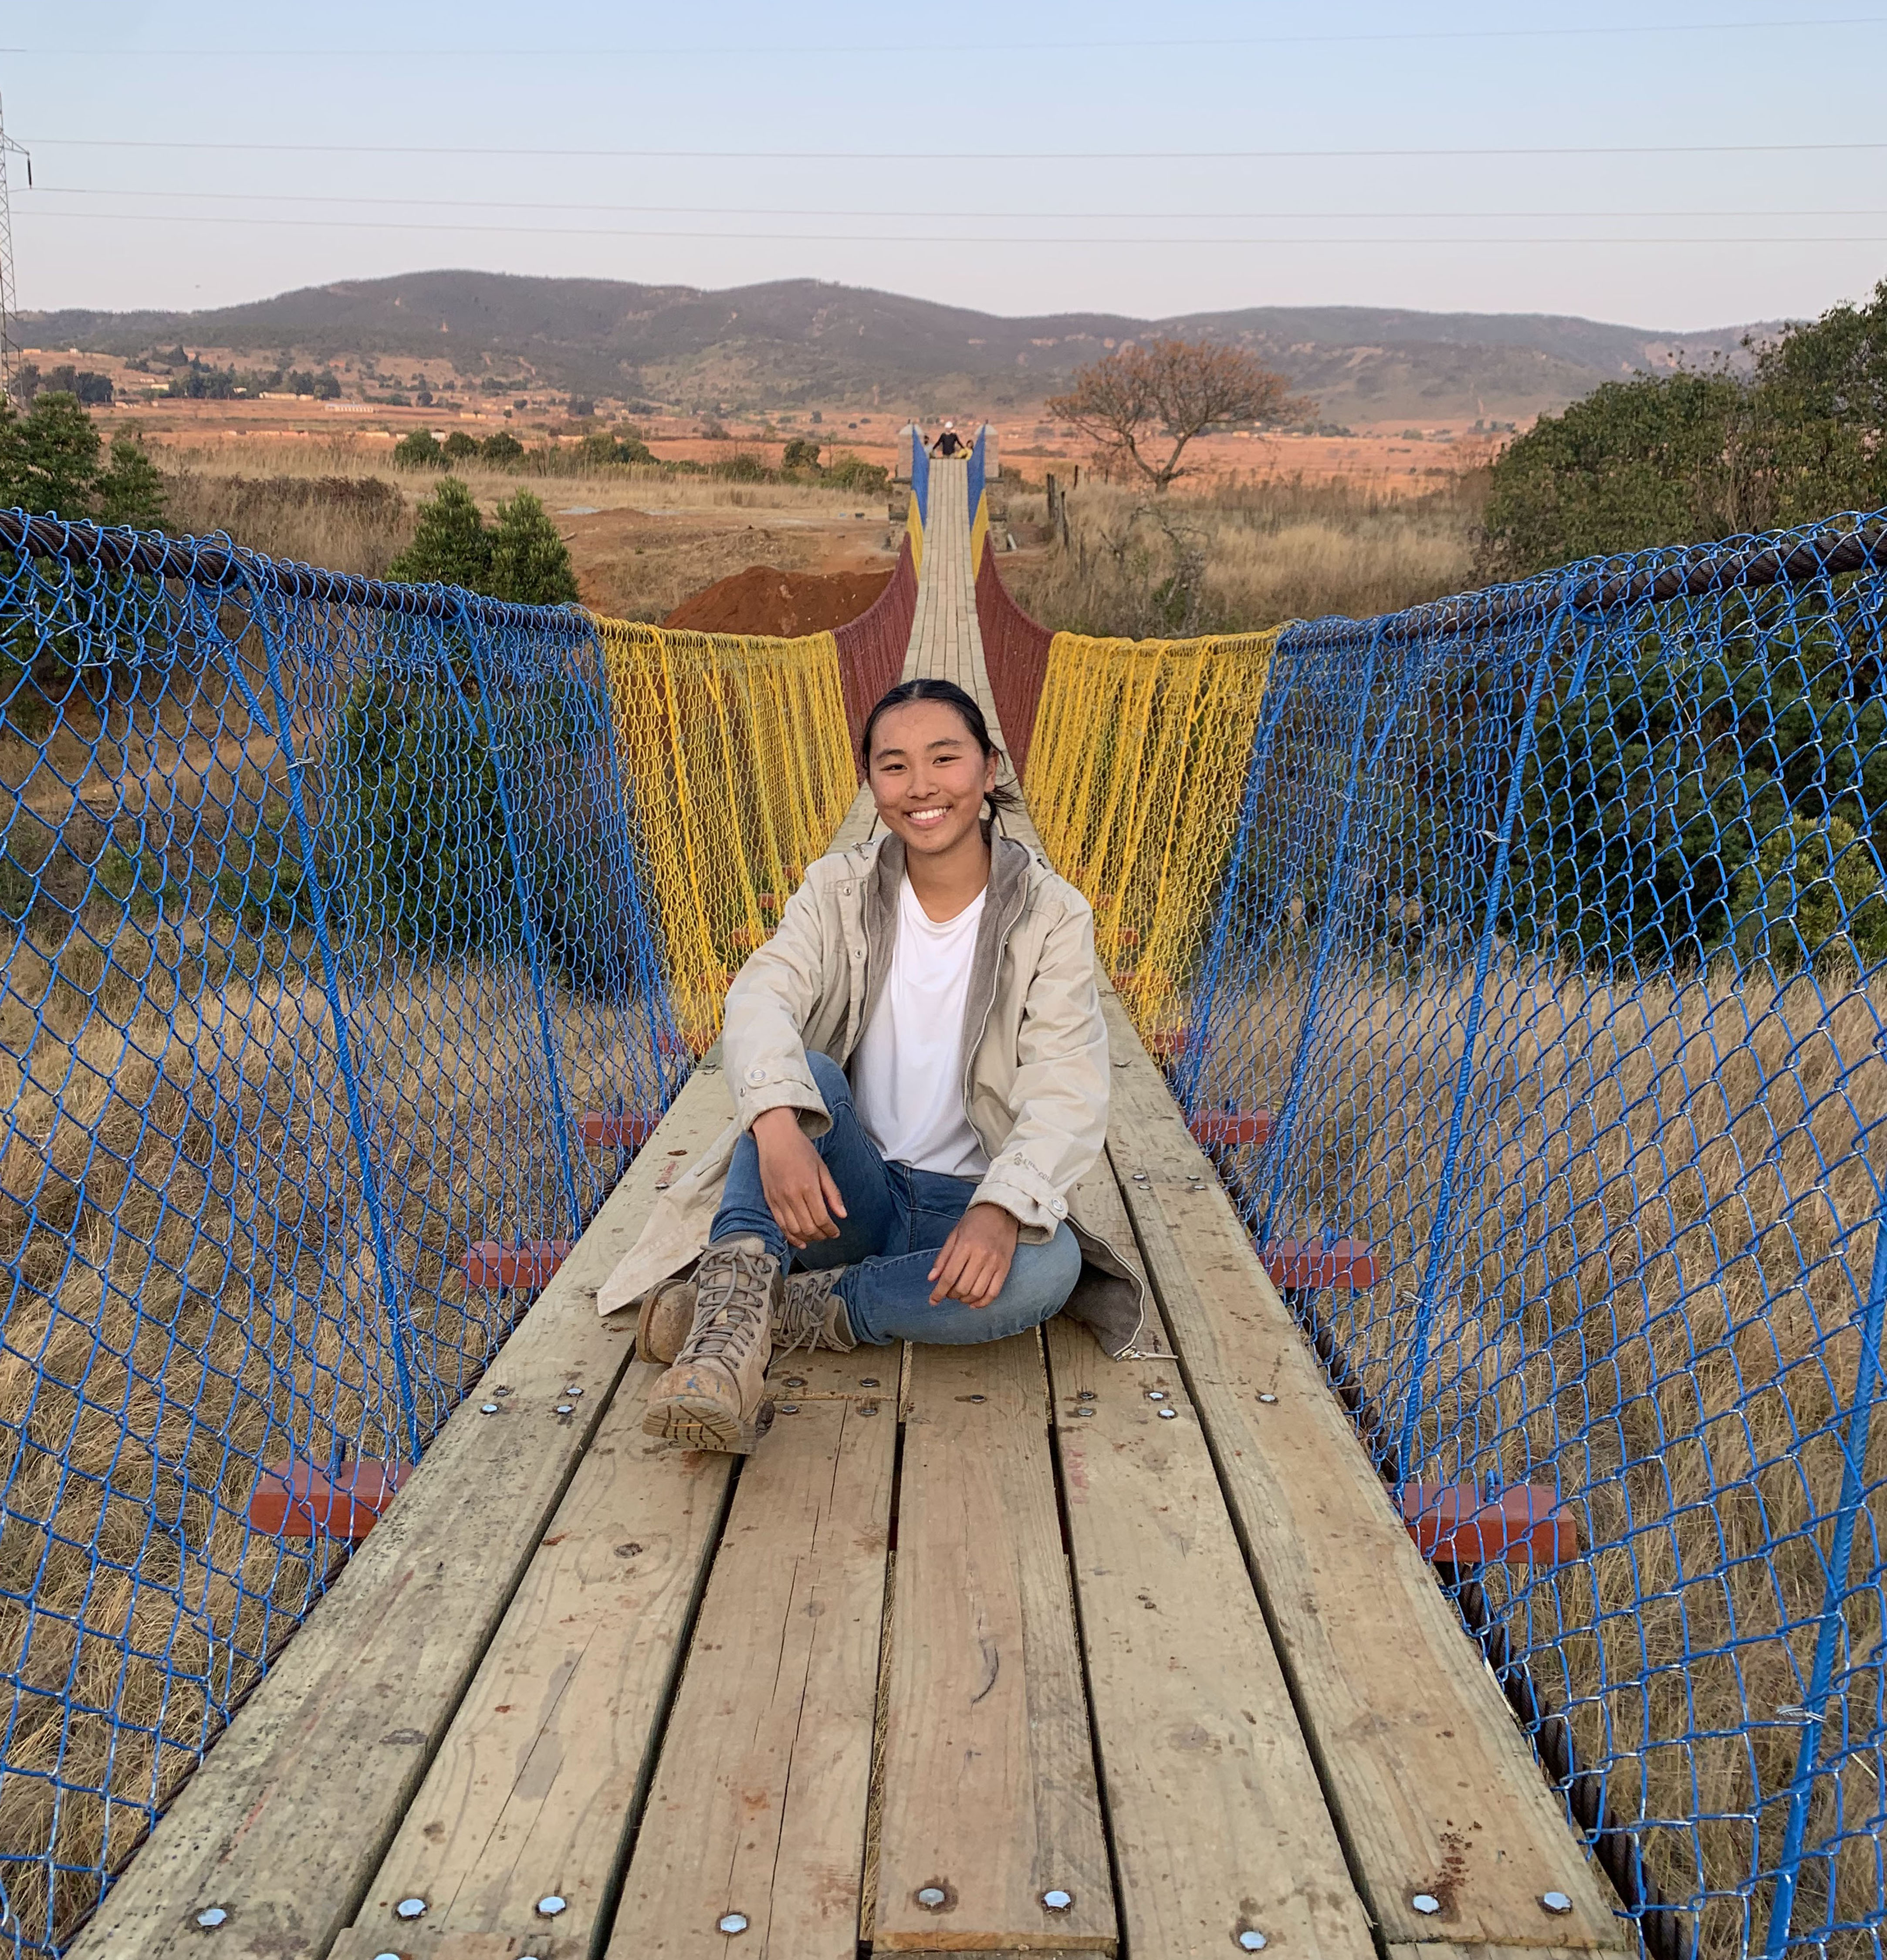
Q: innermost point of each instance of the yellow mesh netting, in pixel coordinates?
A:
(735, 750)
(1136, 767)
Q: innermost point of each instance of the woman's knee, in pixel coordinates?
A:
(1042, 1276)
(828, 1078)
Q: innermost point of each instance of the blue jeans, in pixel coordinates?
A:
(896, 1218)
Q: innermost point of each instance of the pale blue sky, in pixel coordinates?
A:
(1695, 236)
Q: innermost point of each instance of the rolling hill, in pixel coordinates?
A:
(805, 341)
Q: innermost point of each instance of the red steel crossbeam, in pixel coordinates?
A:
(1525, 1524)
(297, 1500)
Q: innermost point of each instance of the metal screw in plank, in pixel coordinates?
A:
(979, 1399)
(1084, 1411)
(1556, 1902)
(1056, 1900)
(566, 1408)
(550, 1905)
(932, 1897)
(1167, 1415)
(868, 1381)
(411, 1908)
(731, 1922)
(796, 1381)
(1155, 1395)
(1267, 1399)
(571, 1388)
(789, 1409)
(211, 1918)
(1426, 1902)
(487, 1408)
(1251, 1940)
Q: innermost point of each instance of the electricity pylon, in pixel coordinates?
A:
(9, 307)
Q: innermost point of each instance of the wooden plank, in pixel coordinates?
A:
(1216, 1820)
(758, 1806)
(1431, 1950)
(533, 1790)
(286, 1823)
(1433, 1787)
(989, 1785)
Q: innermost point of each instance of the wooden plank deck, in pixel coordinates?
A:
(1011, 1650)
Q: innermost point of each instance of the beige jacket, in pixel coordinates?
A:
(1035, 1075)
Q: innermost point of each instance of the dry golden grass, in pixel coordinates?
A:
(1241, 557)
(1667, 1212)
(356, 524)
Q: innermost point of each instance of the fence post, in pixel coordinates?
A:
(527, 912)
(1278, 1150)
(401, 1333)
(1443, 1221)
(1199, 1043)
(1841, 1552)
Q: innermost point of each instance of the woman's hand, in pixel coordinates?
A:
(800, 1190)
(975, 1257)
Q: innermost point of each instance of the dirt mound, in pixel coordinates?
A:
(762, 601)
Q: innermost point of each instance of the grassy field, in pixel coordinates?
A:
(642, 538)
(1238, 555)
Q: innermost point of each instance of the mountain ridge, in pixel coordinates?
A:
(782, 342)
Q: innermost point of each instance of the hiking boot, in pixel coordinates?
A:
(812, 1314)
(666, 1319)
(714, 1397)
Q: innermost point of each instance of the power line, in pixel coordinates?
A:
(805, 210)
(960, 157)
(907, 238)
(660, 51)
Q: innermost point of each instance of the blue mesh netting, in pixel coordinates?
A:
(321, 929)
(1551, 950)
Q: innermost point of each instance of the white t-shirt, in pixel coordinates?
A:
(907, 1071)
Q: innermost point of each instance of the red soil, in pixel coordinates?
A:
(762, 601)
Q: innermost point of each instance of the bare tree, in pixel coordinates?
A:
(1168, 391)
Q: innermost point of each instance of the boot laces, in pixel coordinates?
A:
(802, 1310)
(733, 1292)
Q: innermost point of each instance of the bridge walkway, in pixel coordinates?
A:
(1009, 1650)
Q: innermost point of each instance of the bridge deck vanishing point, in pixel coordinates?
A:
(1004, 1650)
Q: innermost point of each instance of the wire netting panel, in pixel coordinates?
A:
(1537, 1025)
(739, 754)
(324, 925)
(1139, 754)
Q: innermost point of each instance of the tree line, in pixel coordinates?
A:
(1698, 455)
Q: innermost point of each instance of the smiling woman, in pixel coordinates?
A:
(920, 1069)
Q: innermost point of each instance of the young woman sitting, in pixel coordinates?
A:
(919, 1075)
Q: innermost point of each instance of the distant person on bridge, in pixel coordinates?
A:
(920, 1076)
(949, 442)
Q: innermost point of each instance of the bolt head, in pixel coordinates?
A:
(551, 1904)
(386, 1956)
(1426, 1902)
(796, 1381)
(1056, 1900)
(932, 1897)
(571, 1388)
(1252, 1941)
(1267, 1399)
(979, 1399)
(411, 1908)
(487, 1408)
(789, 1409)
(868, 1381)
(1085, 1395)
(1167, 1415)
(1084, 1411)
(564, 1408)
(1556, 1902)
(211, 1918)
(731, 1922)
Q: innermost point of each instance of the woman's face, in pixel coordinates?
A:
(928, 778)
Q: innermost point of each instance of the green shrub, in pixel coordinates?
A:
(459, 447)
(502, 451)
(420, 451)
